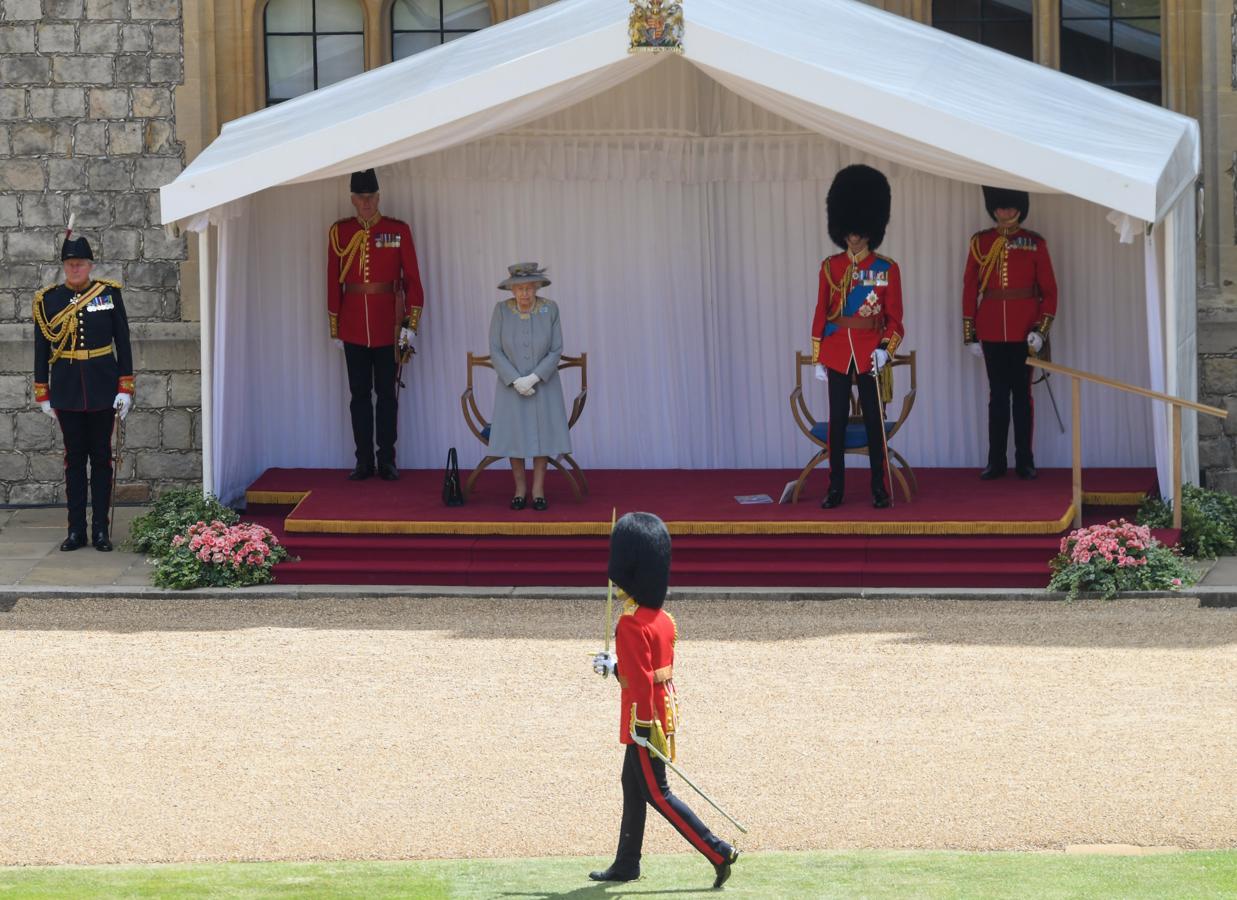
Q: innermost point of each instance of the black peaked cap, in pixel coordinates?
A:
(75, 248)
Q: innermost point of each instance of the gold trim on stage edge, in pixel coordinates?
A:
(600, 529)
(1113, 498)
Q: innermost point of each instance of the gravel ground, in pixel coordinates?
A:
(152, 731)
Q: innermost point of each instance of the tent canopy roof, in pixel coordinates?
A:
(903, 91)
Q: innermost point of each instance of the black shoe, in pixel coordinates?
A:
(723, 869)
(518, 502)
(361, 472)
(992, 472)
(880, 499)
(101, 543)
(1027, 473)
(388, 472)
(75, 541)
(832, 499)
(613, 874)
(539, 504)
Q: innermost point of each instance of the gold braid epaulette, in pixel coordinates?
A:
(987, 262)
(359, 243)
(60, 330)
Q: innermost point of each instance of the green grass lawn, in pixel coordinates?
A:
(868, 874)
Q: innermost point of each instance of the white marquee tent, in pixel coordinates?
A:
(678, 203)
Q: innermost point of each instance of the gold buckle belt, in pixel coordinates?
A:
(371, 287)
(87, 354)
(662, 675)
(858, 323)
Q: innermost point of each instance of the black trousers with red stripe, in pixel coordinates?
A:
(1009, 383)
(644, 785)
(87, 436)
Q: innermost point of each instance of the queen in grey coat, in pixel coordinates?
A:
(526, 342)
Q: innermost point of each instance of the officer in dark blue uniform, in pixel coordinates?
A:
(83, 377)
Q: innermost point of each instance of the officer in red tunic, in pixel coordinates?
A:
(1009, 299)
(374, 302)
(644, 640)
(858, 322)
(83, 377)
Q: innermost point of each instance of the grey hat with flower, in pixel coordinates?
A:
(524, 273)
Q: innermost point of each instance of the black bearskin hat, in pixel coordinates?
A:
(75, 248)
(364, 182)
(640, 558)
(858, 203)
(1000, 198)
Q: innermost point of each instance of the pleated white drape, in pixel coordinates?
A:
(683, 228)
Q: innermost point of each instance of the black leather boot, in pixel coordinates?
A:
(75, 541)
(615, 874)
(832, 499)
(388, 472)
(101, 541)
(1027, 473)
(723, 868)
(992, 472)
(880, 498)
(361, 472)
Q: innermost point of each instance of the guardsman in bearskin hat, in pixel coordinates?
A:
(644, 640)
(1009, 299)
(374, 302)
(858, 322)
(83, 377)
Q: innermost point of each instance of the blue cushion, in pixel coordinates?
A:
(485, 433)
(856, 434)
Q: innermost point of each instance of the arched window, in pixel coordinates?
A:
(417, 25)
(1000, 24)
(310, 44)
(1115, 43)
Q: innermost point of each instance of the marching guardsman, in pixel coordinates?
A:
(83, 377)
(374, 302)
(858, 322)
(1009, 299)
(644, 640)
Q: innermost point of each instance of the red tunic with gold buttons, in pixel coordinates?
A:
(1008, 289)
(858, 309)
(644, 645)
(367, 267)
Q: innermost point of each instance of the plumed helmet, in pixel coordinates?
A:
(364, 182)
(1001, 198)
(640, 558)
(75, 248)
(858, 203)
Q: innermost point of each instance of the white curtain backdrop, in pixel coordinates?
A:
(683, 228)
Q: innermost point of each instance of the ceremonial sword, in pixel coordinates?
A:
(118, 441)
(648, 745)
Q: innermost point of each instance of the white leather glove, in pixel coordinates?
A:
(526, 384)
(46, 406)
(604, 663)
(339, 345)
(406, 336)
(122, 403)
(819, 372)
(1035, 341)
(880, 359)
(976, 348)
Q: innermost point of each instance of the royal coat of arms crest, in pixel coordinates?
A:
(655, 25)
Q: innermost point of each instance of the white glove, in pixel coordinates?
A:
(46, 406)
(122, 403)
(604, 663)
(976, 348)
(339, 345)
(819, 372)
(525, 384)
(406, 336)
(880, 359)
(1035, 341)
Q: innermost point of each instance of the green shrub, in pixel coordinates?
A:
(1208, 520)
(172, 514)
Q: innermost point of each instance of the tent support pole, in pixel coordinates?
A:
(206, 307)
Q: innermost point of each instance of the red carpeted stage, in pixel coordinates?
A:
(956, 532)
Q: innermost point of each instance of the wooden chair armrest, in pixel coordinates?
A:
(907, 402)
(468, 403)
(803, 416)
(577, 407)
